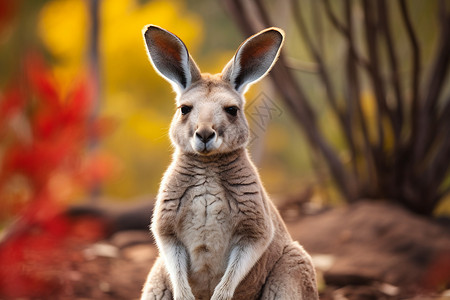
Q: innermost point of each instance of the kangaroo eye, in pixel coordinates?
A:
(232, 110)
(185, 109)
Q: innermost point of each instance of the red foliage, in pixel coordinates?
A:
(45, 139)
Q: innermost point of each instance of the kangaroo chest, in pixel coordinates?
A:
(209, 208)
(205, 225)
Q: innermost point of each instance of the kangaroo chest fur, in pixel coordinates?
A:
(205, 206)
(205, 228)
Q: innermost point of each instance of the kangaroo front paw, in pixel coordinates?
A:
(222, 293)
(184, 295)
(187, 297)
(221, 297)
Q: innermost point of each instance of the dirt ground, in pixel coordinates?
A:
(365, 251)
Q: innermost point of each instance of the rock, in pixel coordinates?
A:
(375, 241)
(101, 249)
(127, 238)
(140, 253)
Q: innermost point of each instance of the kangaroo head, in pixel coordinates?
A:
(209, 117)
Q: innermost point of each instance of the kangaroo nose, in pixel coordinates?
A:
(205, 134)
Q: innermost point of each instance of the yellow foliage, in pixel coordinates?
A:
(443, 209)
(369, 108)
(368, 105)
(122, 45)
(148, 126)
(63, 29)
(132, 93)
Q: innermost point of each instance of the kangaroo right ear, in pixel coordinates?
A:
(170, 57)
(254, 59)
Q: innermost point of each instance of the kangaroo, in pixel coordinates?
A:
(219, 235)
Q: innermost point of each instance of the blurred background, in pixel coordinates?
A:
(357, 110)
(132, 103)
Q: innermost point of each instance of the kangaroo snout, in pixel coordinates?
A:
(205, 139)
(205, 134)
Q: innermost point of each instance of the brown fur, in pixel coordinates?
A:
(219, 235)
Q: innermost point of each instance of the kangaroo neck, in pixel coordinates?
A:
(216, 163)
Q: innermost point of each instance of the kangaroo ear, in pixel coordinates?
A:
(170, 57)
(254, 58)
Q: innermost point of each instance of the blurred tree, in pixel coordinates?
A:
(384, 87)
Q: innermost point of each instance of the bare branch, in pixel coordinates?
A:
(372, 46)
(411, 173)
(263, 15)
(445, 115)
(293, 95)
(442, 12)
(296, 100)
(301, 66)
(344, 121)
(440, 164)
(439, 67)
(393, 63)
(433, 88)
(317, 25)
(345, 32)
(331, 96)
(354, 94)
(334, 20)
(415, 73)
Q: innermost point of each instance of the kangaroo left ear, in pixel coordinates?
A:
(254, 59)
(170, 57)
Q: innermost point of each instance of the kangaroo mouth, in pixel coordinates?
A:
(207, 148)
(204, 150)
